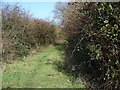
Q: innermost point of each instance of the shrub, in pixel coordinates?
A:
(93, 40)
(22, 32)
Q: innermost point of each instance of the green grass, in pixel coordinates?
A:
(38, 71)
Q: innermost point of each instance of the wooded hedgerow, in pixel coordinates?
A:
(21, 32)
(93, 40)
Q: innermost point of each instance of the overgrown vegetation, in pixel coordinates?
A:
(89, 31)
(21, 32)
(93, 40)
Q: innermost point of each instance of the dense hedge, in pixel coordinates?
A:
(21, 32)
(93, 40)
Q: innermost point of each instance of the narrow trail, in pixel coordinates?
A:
(38, 71)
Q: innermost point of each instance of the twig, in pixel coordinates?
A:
(77, 45)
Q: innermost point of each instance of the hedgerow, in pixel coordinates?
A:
(93, 40)
(21, 32)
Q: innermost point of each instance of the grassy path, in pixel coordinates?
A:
(38, 71)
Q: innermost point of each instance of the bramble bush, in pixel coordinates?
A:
(21, 32)
(93, 40)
